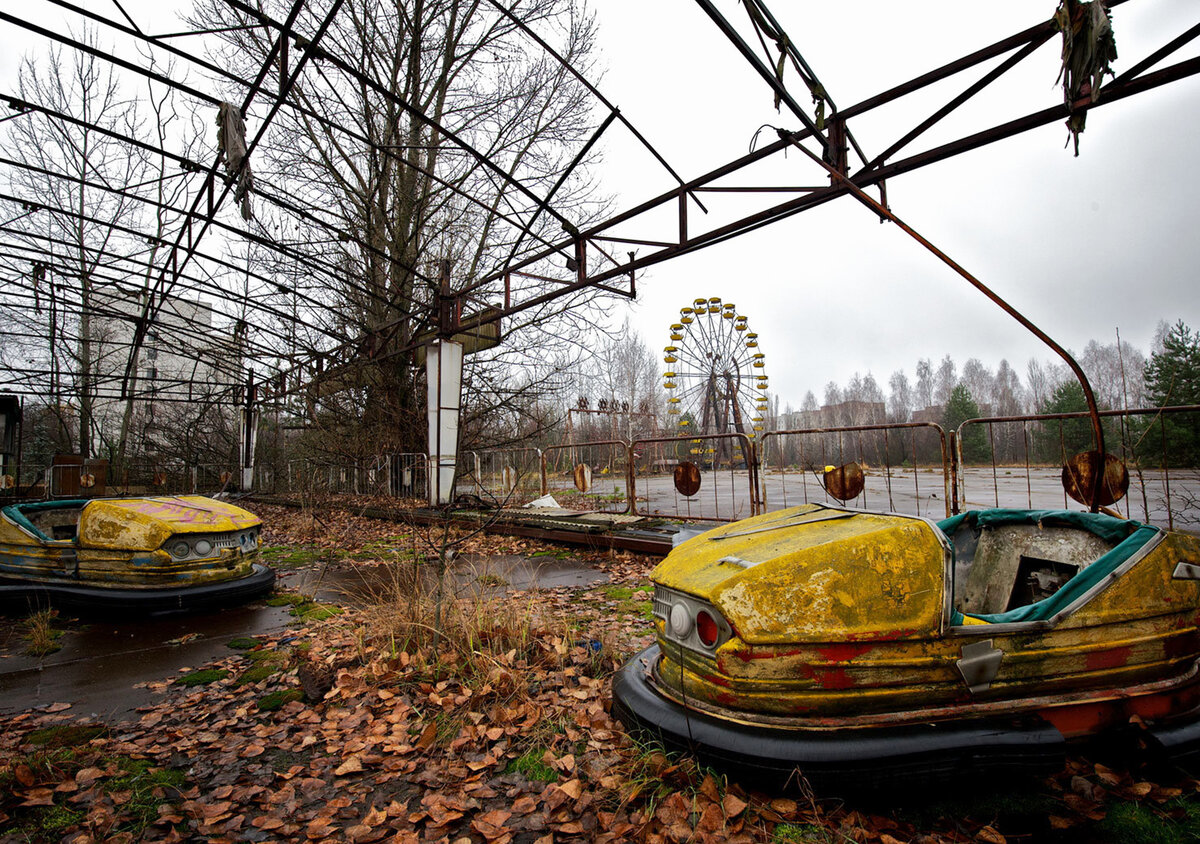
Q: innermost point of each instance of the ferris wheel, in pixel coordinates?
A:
(715, 378)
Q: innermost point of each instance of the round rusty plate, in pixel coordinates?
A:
(845, 482)
(87, 480)
(1086, 482)
(583, 477)
(7, 482)
(160, 478)
(225, 477)
(687, 478)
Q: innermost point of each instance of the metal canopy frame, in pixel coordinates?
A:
(605, 256)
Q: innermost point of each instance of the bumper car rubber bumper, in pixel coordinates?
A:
(104, 600)
(832, 759)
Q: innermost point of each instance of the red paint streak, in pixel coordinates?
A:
(831, 679)
(844, 651)
(1114, 658)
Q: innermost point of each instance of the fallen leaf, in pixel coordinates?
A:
(58, 707)
(990, 836)
(733, 806)
(351, 766)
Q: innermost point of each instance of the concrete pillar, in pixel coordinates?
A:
(443, 379)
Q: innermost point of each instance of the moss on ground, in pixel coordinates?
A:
(530, 765)
(203, 677)
(274, 700)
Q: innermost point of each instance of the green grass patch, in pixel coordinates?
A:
(491, 580)
(801, 833)
(313, 611)
(148, 787)
(45, 823)
(556, 553)
(269, 656)
(632, 601)
(287, 599)
(65, 735)
(530, 765)
(274, 700)
(255, 674)
(243, 643)
(1175, 822)
(203, 677)
(288, 557)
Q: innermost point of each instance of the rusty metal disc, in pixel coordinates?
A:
(687, 478)
(225, 477)
(583, 477)
(845, 482)
(1088, 483)
(160, 478)
(87, 480)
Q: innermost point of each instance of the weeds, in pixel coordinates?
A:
(148, 788)
(41, 637)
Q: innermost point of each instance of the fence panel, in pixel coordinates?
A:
(603, 465)
(211, 478)
(906, 467)
(726, 470)
(409, 475)
(502, 477)
(1016, 461)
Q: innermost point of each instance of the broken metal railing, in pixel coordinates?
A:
(589, 476)
(906, 466)
(710, 477)
(1160, 447)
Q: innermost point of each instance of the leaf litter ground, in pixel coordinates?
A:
(364, 726)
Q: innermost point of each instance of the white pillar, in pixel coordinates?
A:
(443, 379)
(249, 439)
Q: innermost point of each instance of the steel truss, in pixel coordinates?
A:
(604, 257)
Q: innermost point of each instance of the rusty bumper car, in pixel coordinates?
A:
(865, 648)
(144, 555)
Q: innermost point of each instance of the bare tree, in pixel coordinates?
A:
(924, 394)
(945, 381)
(900, 398)
(68, 162)
(375, 144)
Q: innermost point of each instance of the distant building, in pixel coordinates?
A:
(838, 415)
(185, 357)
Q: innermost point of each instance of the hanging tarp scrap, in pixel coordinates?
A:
(1088, 51)
(231, 141)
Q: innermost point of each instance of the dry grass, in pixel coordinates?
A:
(480, 635)
(41, 636)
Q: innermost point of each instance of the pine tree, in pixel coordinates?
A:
(1064, 438)
(1173, 379)
(959, 408)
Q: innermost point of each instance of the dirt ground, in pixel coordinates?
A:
(363, 718)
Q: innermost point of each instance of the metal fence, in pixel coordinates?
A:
(503, 477)
(1013, 461)
(588, 476)
(906, 466)
(725, 477)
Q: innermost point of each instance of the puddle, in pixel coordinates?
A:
(101, 661)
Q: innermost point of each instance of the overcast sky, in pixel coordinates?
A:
(1083, 246)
